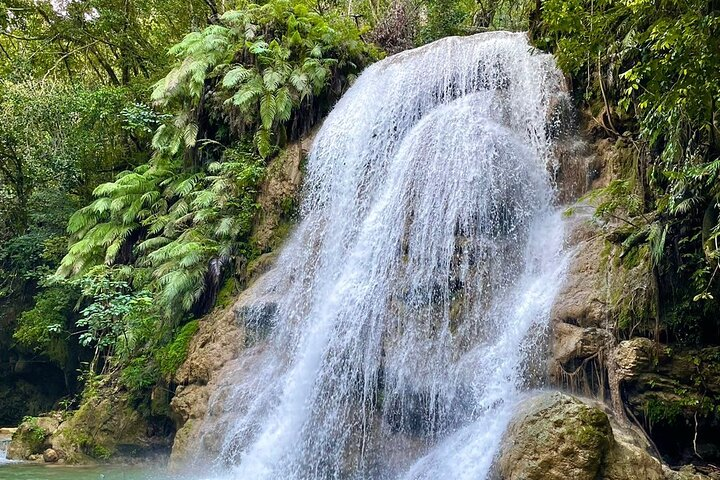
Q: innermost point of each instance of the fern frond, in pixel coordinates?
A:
(268, 110)
(236, 76)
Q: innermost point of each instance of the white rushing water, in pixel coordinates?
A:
(407, 307)
(4, 443)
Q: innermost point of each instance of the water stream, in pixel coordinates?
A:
(4, 442)
(407, 311)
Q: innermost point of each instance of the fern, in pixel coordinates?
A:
(183, 222)
(281, 67)
(188, 213)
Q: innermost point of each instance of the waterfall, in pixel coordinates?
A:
(407, 311)
(4, 443)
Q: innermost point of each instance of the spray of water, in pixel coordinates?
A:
(405, 309)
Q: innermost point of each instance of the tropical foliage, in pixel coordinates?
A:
(109, 41)
(186, 215)
(129, 167)
(650, 72)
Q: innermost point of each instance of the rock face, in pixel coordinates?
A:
(219, 341)
(672, 391)
(604, 291)
(278, 193)
(608, 287)
(555, 436)
(224, 333)
(106, 427)
(605, 329)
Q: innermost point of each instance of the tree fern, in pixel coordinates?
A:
(281, 67)
(188, 213)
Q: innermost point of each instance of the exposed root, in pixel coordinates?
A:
(587, 379)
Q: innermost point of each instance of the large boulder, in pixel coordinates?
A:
(32, 437)
(555, 436)
(107, 427)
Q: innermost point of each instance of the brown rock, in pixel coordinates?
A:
(582, 300)
(571, 342)
(688, 472)
(50, 456)
(633, 357)
(279, 191)
(32, 437)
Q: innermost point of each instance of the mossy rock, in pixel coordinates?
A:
(555, 436)
(32, 437)
(107, 428)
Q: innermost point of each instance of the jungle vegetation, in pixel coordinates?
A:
(647, 73)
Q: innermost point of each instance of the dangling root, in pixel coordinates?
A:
(588, 378)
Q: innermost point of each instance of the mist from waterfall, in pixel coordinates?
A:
(406, 313)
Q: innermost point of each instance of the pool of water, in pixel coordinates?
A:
(32, 471)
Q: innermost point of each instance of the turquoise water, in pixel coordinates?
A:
(29, 471)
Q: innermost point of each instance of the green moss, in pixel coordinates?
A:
(174, 354)
(289, 207)
(100, 452)
(32, 434)
(281, 232)
(92, 383)
(76, 437)
(227, 293)
(595, 430)
(139, 375)
(635, 256)
(83, 445)
(605, 255)
(629, 286)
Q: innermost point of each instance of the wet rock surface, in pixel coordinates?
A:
(605, 335)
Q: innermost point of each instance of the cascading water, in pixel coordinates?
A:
(4, 443)
(404, 310)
